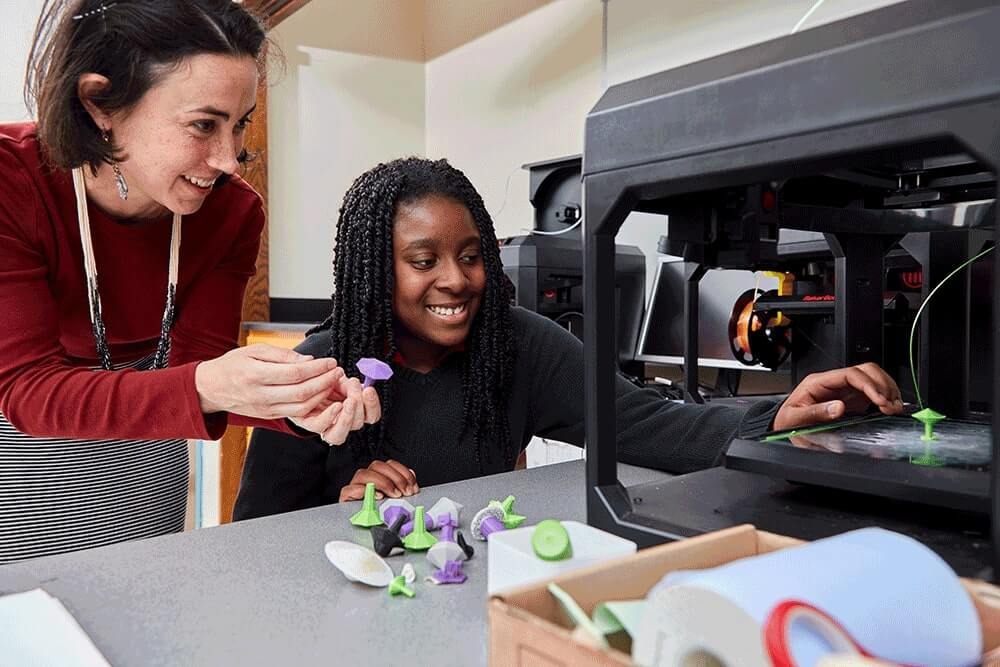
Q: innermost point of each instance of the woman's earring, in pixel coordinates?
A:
(119, 178)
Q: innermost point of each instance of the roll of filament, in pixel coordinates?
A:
(891, 596)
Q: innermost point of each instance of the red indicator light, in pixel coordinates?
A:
(768, 200)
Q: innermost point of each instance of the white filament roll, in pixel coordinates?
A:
(895, 597)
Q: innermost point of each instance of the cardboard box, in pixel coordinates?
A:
(527, 627)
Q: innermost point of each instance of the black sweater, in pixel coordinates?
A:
(284, 473)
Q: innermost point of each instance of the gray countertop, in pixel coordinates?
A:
(262, 592)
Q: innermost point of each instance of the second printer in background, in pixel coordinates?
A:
(546, 264)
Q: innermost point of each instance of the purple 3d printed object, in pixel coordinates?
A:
(373, 370)
(487, 520)
(451, 573)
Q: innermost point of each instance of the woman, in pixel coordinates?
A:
(419, 282)
(142, 109)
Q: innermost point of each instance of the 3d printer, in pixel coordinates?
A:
(880, 131)
(546, 265)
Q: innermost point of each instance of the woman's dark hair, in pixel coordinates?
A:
(362, 321)
(134, 43)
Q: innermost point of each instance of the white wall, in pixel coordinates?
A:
(451, 23)
(17, 24)
(514, 95)
(504, 96)
(339, 109)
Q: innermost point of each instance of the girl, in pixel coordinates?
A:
(419, 283)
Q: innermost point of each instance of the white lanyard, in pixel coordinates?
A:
(90, 267)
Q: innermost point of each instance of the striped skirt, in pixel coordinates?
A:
(61, 494)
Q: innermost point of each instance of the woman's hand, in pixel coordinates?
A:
(825, 397)
(346, 408)
(391, 479)
(266, 382)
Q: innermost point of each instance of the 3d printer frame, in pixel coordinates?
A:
(866, 102)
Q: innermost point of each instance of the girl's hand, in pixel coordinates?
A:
(346, 408)
(391, 479)
(826, 397)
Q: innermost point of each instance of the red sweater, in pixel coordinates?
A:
(46, 341)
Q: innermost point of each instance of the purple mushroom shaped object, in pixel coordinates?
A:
(446, 549)
(487, 520)
(443, 552)
(444, 510)
(451, 573)
(373, 370)
(388, 540)
(446, 507)
(394, 507)
(407, 528)
(448, 527)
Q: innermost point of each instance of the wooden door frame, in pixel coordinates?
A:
(274, 11)
(256, 300)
